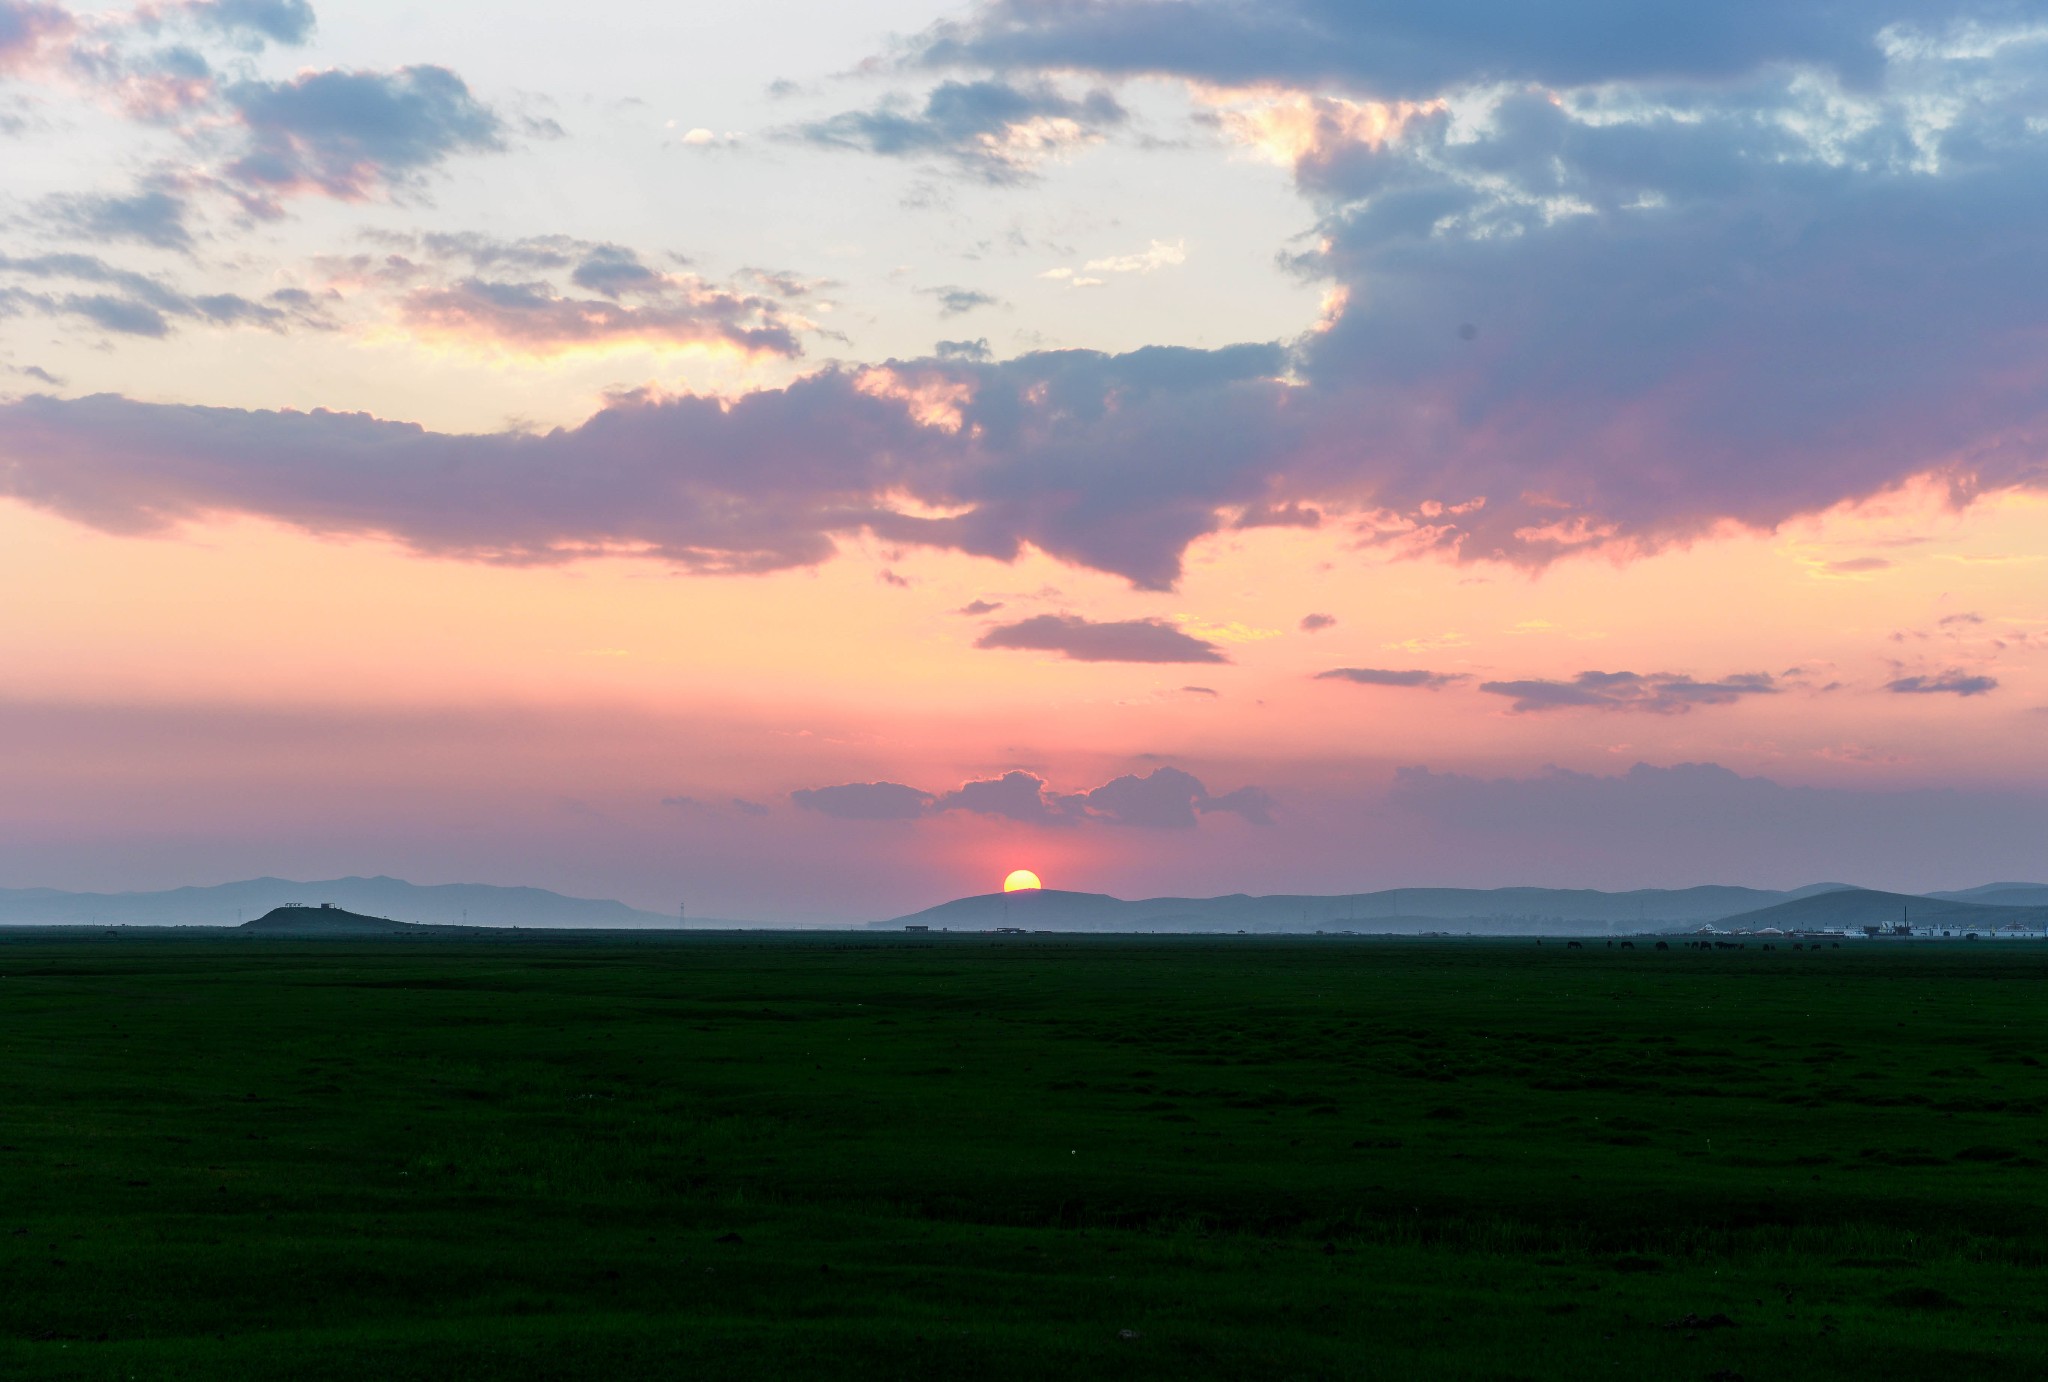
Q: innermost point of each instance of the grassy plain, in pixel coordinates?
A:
(1008, 1158)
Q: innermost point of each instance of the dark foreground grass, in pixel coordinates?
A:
(1047, 1157)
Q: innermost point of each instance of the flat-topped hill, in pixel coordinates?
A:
(323, 921)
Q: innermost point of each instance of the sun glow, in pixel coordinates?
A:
(1021, 881)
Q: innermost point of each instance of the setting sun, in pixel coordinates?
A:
(1020, 880)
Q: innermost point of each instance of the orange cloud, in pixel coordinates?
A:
(1290, 127)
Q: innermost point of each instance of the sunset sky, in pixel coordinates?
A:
(811, 459)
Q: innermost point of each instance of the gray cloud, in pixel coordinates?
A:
(1316, 623)
(1163, 799)
(1952, 683)
(528, 253)
(980, 607)
(996, 130)
(150, 216)
(535, 317)
(974, 352)
(351, 135)
(955, 301)
(614, 270)
(1086, 640)
(865, 801)
(137, 305)
(280, 21)
(1659, 693)
(532, 295)
(1379, 676)
(27, 28)
(1394, 49)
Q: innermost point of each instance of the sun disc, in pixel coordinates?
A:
(1020, 881)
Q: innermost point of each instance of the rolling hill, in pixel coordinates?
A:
(1503, 911)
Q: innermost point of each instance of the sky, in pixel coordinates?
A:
(802, 461)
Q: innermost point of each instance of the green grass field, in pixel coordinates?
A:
(982, 1158)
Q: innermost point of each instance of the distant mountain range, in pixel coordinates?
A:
(1487, 911)
(449, 904)
(1852, 909)
(2001, 895)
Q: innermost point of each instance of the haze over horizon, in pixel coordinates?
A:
(809, 462)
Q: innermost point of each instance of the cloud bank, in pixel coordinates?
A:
(1656, 693)
(1380, 676)
(1600, 280)
(1113, 462)
(1087, 640)
(1163, 799)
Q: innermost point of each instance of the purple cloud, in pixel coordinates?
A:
(1085, 640)
(1658, 693)
(1528, 383)
(1378, 676)
(1114, 462)
(1950, 683)
(1169, 799)
(534, 318)
(865, 801)
(1163, 799)
(1016, 795)
(1316, 623)
(1688, 302)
